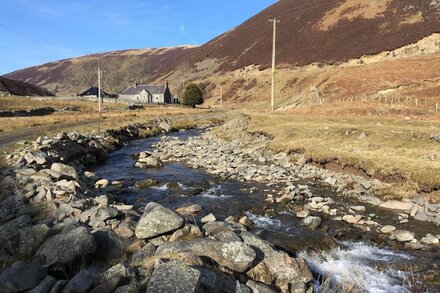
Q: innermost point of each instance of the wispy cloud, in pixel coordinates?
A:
(118, 19)
(39, 8)
(182, 30)
(60, 51)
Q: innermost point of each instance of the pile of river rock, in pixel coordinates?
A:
(62, 229)
(246, 157)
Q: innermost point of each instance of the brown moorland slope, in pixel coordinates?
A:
(120, 69)
(409, 80)
(327, 31)
(312, 31)
(20, 88)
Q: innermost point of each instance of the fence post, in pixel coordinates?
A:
(417, 102)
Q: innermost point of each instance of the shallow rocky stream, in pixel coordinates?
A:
(347, 255)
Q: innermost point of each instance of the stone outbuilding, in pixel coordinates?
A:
(148, 94)
(93, 93)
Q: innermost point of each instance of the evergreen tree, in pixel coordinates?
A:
(193, 95)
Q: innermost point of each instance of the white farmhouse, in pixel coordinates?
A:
(148, 94)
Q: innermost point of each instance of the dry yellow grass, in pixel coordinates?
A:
(352, 9)
(86, 119)
(392, 148)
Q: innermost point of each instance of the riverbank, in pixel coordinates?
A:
(62, 228)
(341, 205)
(403, 152)
(79, 115)
(55, 199)
(247, 157)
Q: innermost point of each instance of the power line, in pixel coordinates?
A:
(37, 43)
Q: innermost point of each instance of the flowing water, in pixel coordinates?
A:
(360, 265)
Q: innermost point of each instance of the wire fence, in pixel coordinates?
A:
(424, 103)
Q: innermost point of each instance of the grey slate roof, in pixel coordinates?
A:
(152, 89)
(93, 91)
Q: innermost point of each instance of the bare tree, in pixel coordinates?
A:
(183, 73)
(182, 76)
(112, 81)
(137, 71)
(89, 73)
(75, 86)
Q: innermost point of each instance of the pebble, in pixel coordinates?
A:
(358, 208)
(208, 218)
(387, 229)
(303, 214)
(103, 183)
(352, 219)
(403, 235)
(429, 239)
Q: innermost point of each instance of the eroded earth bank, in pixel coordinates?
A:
(172, 206)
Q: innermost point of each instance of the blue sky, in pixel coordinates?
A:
(34, 32)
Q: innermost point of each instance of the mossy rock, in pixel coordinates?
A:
(147, 183)
(173, 185)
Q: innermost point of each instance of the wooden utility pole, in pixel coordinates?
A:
(99, 91)
(221, 96)
(99, 99)
(274, 21)
(315, 91)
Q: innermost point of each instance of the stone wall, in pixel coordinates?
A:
(24, 113)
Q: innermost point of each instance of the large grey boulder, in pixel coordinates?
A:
(21, 276)
(311, 222)
(148, 162)
(64, 248)
(435, 138)
(165, 126)
(12, 228)
(82, 281)
(213, 228)
(214, 281)
(110, 278)
(130, 288)
(430, 239)
(175, 277)
(259, 287)
(403, 235)
(143, 254)
(98, 215)
(31, 238)
(45, 285)
(157, 220)
(236, 256)
(397, 205)
(10, 205)
(66, 170)
(111, 248)
(108, 286)
(37, 157)
(276, 267)
(59, 285)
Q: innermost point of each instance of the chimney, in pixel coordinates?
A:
(136, 84)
